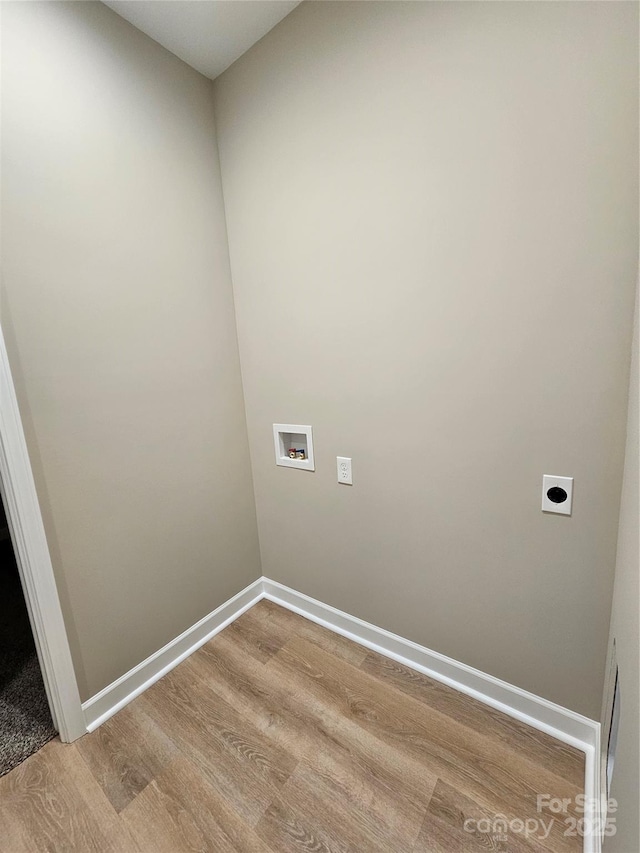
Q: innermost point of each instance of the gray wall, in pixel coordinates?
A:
(432, 215)
(118, 314)
(625, 630)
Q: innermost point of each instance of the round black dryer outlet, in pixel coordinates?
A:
(557, 495)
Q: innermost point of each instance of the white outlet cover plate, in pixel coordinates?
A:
(566, 483)
(345, 475)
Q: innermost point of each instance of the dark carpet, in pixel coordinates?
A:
(25, 719)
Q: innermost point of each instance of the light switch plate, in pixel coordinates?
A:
(557, 494)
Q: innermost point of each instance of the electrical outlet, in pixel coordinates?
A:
(557, 494)
(344, 470)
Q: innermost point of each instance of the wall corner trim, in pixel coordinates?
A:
(561, 723)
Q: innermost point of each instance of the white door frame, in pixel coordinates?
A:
(34, 563)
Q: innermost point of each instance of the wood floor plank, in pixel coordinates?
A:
(320, 743)
(559, 758)
(499, 778)
(253, 633)
(180, 811)
(13, 837)
(237, 759)
(375, 818)
(61, 806)
(456, 823)
(125, 754)
(286, 832)
(311, 731)
(312, 810)
(269, 619)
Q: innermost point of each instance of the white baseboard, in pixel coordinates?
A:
(561, 723)
(119, 693)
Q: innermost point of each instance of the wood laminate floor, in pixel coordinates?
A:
(279, 736)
